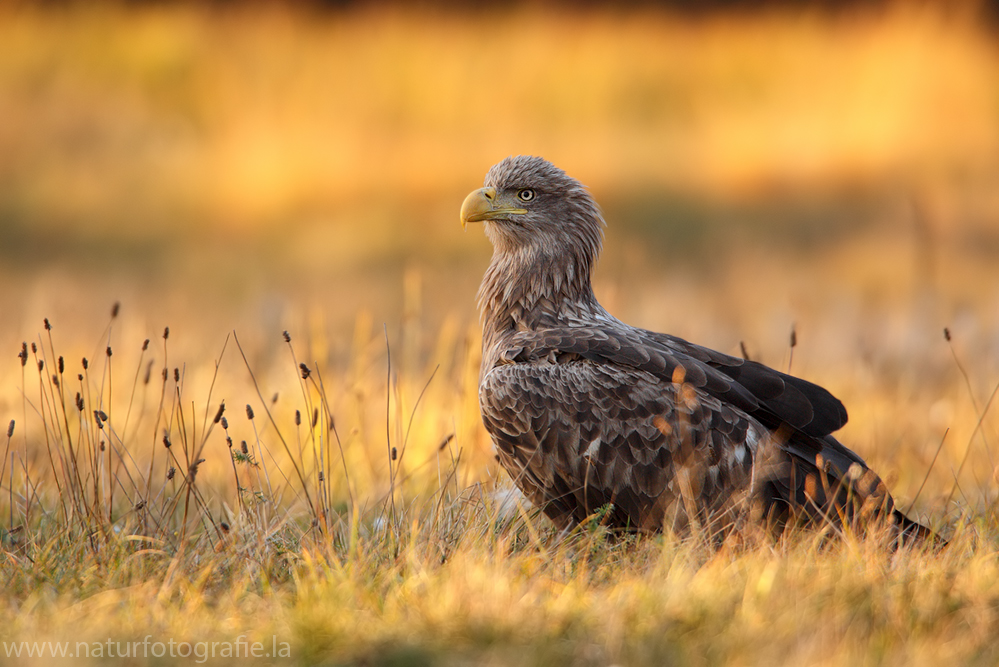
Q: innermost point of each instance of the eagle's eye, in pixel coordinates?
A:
(526, 194)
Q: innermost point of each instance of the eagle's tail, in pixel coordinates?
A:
(834, 485)
(915, 533)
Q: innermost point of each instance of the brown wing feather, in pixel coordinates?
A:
(576, 436)
(806, 406)
(770, 397)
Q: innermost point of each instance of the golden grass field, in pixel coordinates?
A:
(234, 174)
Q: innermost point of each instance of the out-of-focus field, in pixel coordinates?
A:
(265, 170)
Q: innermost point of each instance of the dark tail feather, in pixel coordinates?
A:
(914, 533)
(820, 492)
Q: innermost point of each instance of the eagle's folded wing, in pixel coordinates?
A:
(578, 435)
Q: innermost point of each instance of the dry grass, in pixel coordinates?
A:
(255, 173)
(386, 539)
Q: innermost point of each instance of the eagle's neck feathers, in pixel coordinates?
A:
(527, 289)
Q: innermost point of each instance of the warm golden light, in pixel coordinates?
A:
(236, 172)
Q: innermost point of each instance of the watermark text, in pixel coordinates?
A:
(199, 652)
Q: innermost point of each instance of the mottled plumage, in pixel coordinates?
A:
(586, 411)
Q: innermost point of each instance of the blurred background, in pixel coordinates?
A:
(831, 167)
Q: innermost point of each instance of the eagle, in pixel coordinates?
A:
(592, 417)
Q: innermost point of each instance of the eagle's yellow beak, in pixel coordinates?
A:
(482, 204)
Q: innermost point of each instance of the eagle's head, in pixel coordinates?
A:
(529, 204)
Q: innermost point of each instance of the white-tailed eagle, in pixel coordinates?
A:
(587, 412)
